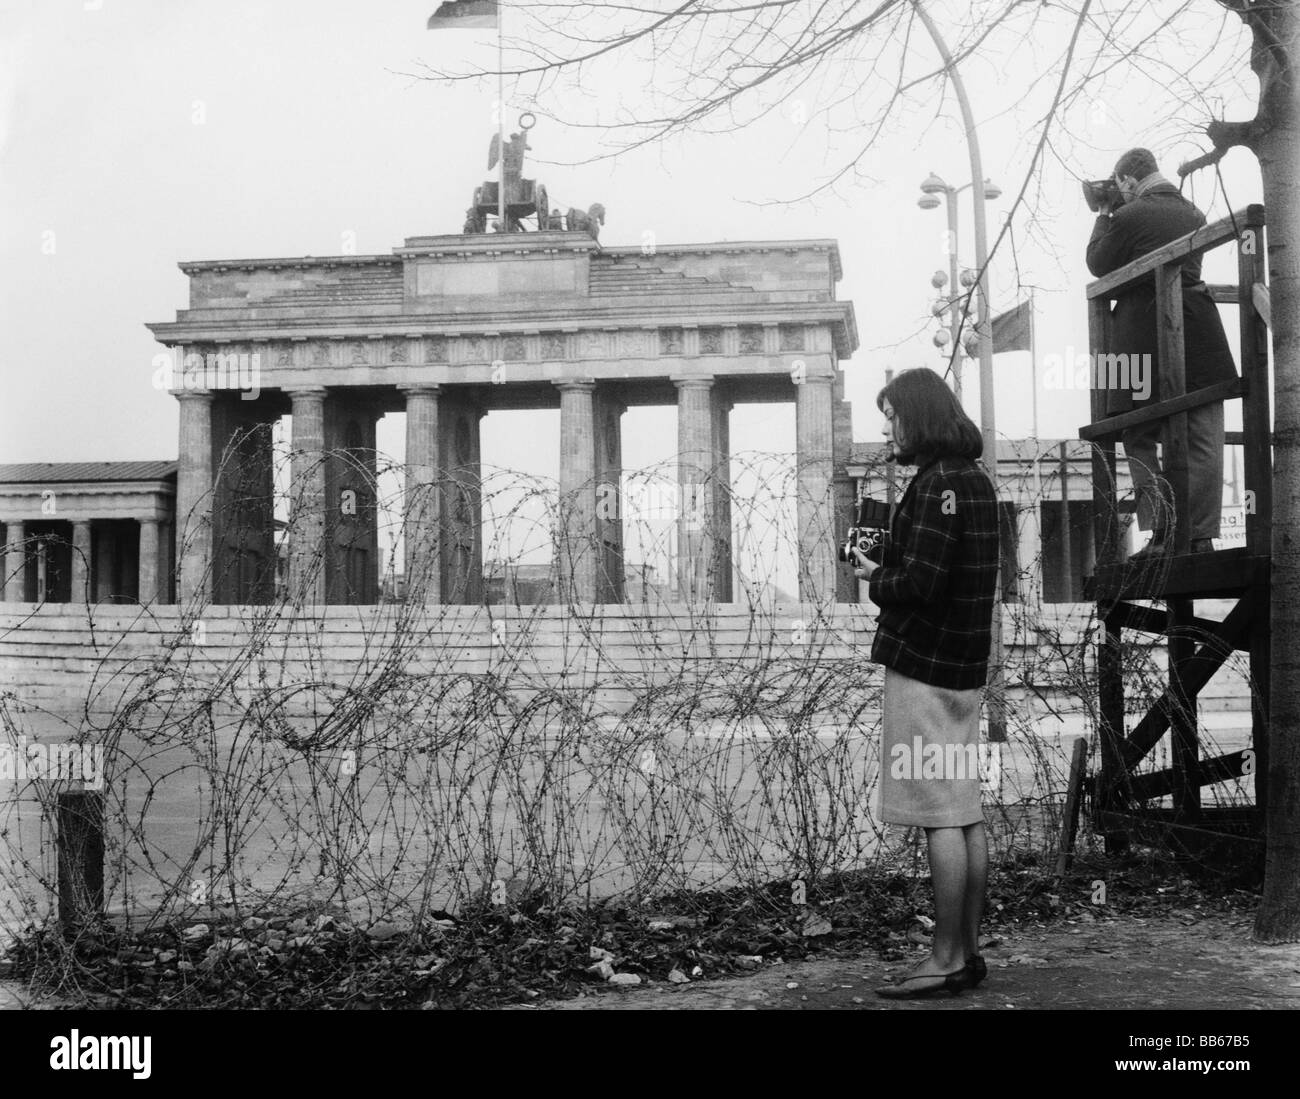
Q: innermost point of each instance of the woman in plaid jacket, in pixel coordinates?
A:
(935, 585)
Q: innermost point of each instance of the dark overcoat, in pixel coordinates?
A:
(1136, 228)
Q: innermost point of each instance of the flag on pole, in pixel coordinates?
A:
(458, 14)
(1013, 330)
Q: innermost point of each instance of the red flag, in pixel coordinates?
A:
(1013, 330)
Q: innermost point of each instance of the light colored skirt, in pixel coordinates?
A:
(929, 755)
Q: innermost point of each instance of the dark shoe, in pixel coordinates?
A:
(1153, 549)
(1202, 545)
(976, 970)
(927, 984)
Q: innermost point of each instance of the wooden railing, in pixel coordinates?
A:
(1164, 266)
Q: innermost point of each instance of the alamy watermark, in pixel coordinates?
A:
(60, 761)
(213, 370)
(1110, 372)
(919, 761)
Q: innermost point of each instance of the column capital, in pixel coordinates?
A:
(814, 379)
(193, 394)
(582, 385)
(694, 381)
(419, 390)
(306, 392)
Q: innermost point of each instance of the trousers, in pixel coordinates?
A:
(1155, 503)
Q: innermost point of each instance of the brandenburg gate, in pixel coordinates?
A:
(450, 328)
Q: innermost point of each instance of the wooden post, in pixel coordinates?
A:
(1173, 383)
(1067, 564)
(1070, 818)
(1181, 647)
(1105, 518)
(80, 846)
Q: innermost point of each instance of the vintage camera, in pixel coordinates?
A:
(868, 533)
(1100, 192)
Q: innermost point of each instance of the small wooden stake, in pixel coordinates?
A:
(1070, 819)
(80, 845)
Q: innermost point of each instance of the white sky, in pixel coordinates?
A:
(134, 135)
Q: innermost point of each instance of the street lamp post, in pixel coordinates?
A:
(931, 187)
(988, 420)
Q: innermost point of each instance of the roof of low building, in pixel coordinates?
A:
(65, 472)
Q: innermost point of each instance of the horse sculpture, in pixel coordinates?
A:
(576, 221)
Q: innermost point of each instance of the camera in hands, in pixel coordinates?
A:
(1101, 195)
(868, 533)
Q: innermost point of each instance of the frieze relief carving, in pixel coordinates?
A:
(435, 349)
(357, 353)
(633, 343)
(751, 339)
(397, 350)
(670, 341)
(474, 349)
(514, 349)
(591, 345)
(710, 341)
(320, 353)
(792, 337)
(553, 345)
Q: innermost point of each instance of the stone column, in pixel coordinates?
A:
(194, 498)
(15, 562)
(721, 566)
(816, 507)
(460, 537)
(423, 500)
(695, 459)
(105, 562)
(351, 507)
(609, 498)
(844, 491)
(243, 513)
(307, 498)
(150, 572)
(577, 536)
(81, 561)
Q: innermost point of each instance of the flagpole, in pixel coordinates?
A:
(1033, 361)
(501, 118)
(1038, 464)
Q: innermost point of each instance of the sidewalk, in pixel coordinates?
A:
(1116, 964)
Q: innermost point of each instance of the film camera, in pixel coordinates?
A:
(1100, 192)
(868, 533)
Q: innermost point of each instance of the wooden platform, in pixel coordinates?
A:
(1197, 647)
(1222, 574)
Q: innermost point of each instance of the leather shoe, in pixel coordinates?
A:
(927, 984)
(1154, 548)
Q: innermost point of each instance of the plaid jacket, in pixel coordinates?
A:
(936, 583)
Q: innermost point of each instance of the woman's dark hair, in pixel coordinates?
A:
(933, 422)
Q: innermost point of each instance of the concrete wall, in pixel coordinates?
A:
(57, 658)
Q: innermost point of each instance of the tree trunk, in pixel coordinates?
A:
(1278, 148)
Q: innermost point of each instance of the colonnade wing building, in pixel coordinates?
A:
(450, 328)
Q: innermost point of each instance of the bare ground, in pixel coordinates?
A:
(1122, 963)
